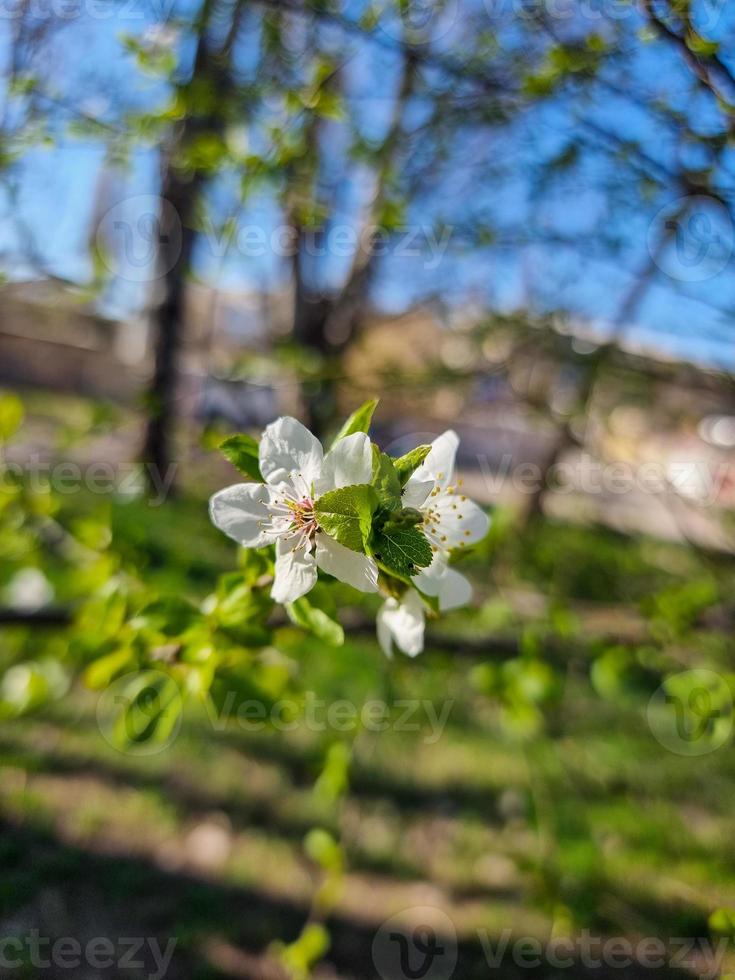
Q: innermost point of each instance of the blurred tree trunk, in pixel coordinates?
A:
(181, 188)
(326, 325)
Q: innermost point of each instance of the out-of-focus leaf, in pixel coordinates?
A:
(170, 615)
(406, 465)
(359, 421)
(304, 614)
(11, 416)
(242, 451)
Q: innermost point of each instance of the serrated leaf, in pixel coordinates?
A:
(242, 451)
(404, 549)
(346, 514)
(316, 621)
(385, 480)
(359, 421)
(406, 465)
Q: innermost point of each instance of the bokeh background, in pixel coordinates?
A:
(514, 218)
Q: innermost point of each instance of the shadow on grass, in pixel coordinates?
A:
(64, 891)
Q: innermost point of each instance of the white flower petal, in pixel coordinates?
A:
(438, 579)
(348, 566)
(429, 579)
(439, 464)
(348, 463)
(289, 452)
(385, 637)
(455, 591)
(295, 572)
(416, 491)
(402, 623)
(455, 520)
(240, 511)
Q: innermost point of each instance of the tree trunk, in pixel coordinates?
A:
(180, 193)
(176, 244)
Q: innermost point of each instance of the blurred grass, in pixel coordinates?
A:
(589, 823)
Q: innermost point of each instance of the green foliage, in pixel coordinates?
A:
(386, 481)
(242, 451)
(407, 465)
(722, 922)
(618, 674)
(147, 708)
(402, 549)
(11, 416)
(359, 421)
(674, 610)
(305, 613)
(300, 956)
(171, 616)
(323, 849)
(30, 684)
(333, 781)
(346, 514)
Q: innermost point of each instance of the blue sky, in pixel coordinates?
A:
(547, 252)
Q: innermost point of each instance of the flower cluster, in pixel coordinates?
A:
(370, 520)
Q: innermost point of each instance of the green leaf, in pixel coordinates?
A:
(171, 615)
(334, 779)
(407, 517)
(309, 617)
(148, 708)
(300, 956)
(359, 421)
(242, 451)
(323, 849)
(103, 671)
(386, 481)
(403, 549)
(409, 463)
(722, 922)
(242, 609)
(346, 514)
(11, 416)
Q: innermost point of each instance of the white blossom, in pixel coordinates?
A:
(402, 622)
(451, 520)
(281, 511)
